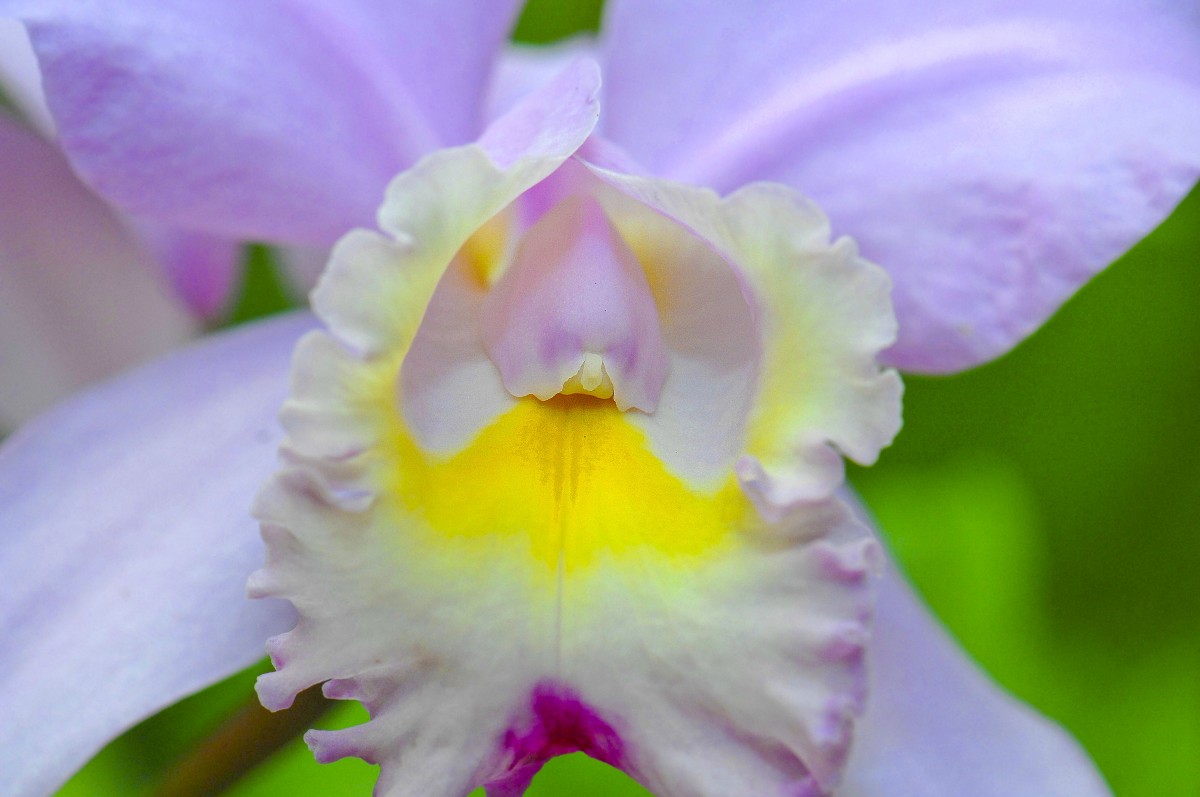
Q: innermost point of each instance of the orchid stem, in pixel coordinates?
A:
(241, 743)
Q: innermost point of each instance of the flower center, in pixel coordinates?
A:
(571, 476)
(591, 379)
(574, 314)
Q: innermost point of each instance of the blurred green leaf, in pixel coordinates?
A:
(545, 21)
(108, 773)
(577, 775)
(970, 540)
(1138, 713)
(263, 290)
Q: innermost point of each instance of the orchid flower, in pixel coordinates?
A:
(556, 332)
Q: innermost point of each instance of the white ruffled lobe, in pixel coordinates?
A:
(502, 577)
(822, 314)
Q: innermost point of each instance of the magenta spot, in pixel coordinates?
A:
(556, 722)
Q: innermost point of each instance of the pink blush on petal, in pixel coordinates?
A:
(575, 298)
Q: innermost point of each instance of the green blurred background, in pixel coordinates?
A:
(1047, 506)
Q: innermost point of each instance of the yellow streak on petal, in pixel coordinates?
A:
(569, 478)
(487, 249)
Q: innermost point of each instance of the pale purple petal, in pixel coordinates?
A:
(991, 155)
(936, 726)
(523, 68)
(127, 542)
(79, 297)
(443, 50)
(203, 269)
(280, 119)
(548, 121)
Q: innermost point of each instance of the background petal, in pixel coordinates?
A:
(79, 299)
(203, 269)
(936, 726)
(992, 156)
(523, 68)
(127, 543)
(273, 120)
